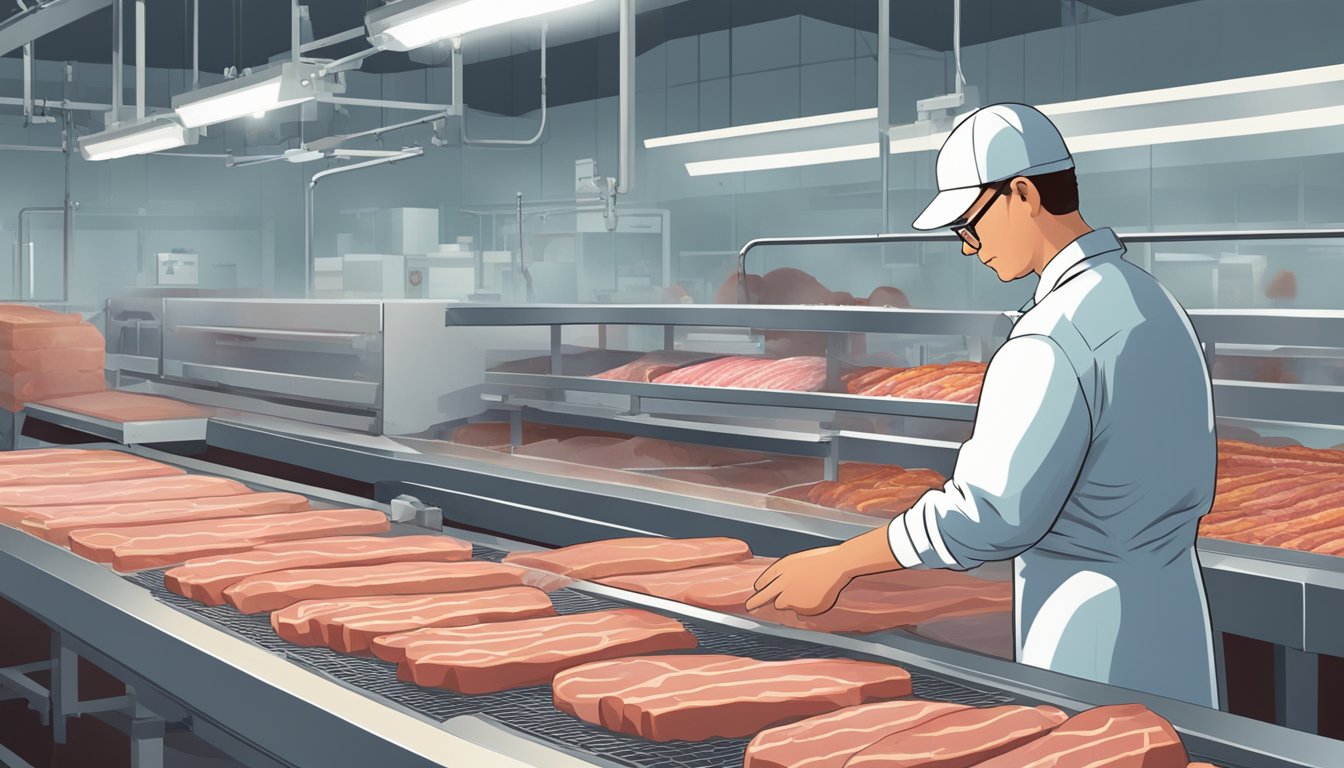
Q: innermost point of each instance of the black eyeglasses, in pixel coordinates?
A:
(967, 231)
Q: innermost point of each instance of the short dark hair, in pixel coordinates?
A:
(1058, 190)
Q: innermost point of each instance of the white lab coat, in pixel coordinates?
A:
(1092, 460)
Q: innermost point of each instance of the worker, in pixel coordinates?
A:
(1093, 455)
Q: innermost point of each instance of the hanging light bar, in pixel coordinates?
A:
(278, 86)
(410, 24)
(156, 134)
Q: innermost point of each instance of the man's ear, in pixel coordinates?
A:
(1024, 191)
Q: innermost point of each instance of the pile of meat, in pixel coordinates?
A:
(1282, 496)
(649, 367)
(797, 374)
(878, 490)
(476, 627)
(46, 354)
(954, 382)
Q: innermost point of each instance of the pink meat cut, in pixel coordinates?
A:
(487, 658)
(22, 387)
(651, 366)
(1121, 736)
(55, 524)
(114, 491)
(741, 698)
(827, 741)
(85, 469)
(204, 580)
(156, 546)
(122, 407)
(613, 557)
(50, 455)
(354, 629)
(55, 359)
(33, 337)
(273, 591)
(675, 585)
(579, 690)
(961, 739)
(801, 374)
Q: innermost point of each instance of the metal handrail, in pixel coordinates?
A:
(1131, 237)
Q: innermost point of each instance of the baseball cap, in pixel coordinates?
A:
(991, 144)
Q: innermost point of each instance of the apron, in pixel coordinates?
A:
(1141, 628)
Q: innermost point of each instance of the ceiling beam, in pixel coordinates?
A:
(38, 20)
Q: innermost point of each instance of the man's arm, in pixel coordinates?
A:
(1011, 480)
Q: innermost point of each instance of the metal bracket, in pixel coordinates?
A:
(408, 509)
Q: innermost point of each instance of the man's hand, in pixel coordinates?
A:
(810, 582)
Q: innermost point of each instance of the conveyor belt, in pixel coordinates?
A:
(529, 710)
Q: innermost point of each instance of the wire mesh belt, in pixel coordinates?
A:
(529, 710)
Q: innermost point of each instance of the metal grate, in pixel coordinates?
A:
(530, 710)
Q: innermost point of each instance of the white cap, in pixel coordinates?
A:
(992, 144)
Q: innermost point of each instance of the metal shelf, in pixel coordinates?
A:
(125, 433)
(763, 398)
(1297, 403)
(1296, 327)
(782, 318)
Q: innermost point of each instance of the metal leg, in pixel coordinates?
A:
(1296, 684)
(557, 343)
(833, 459)
(146, 739)
(64, 687)
(515, 429)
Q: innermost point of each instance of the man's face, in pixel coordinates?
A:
(1001, 234)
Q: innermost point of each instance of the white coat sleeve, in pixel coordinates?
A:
(1013, 476)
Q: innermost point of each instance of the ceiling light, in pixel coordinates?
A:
(754, 129)
(153, 135)
(254, 94)
(410, 24)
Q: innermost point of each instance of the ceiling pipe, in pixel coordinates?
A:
(541, 129)
(195, 44)
(139, 59)
(883, 108)
(626, 164)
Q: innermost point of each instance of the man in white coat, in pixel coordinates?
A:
(1093, 456)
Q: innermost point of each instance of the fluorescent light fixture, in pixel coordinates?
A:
(1293, 79)
(409, 24)
(153, 135)
(754, 129)
(254, 94)
(783, 160)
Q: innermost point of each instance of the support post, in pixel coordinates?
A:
(627, 98)
(139, 59)
(884, 106)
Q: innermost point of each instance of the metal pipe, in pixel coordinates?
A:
(295, 36)
(340, 37)
(22, 229)
(118, 61)
(139, 59)
(383, 104)
(311, 188)
(884, 106)
(27, 82)
(956, 44)
(627, 98)
(541, 129)
(1231, 235)
(342, 64)
(195, 44)
(458, 107)
(67, 205)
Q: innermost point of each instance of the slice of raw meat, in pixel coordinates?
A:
(58, 359)
(495, 657)
(870, 606)
(353, 630)
(114, 491)
(31, 386)
(651, 366)
(827, 741)
(52, 455)
(205, 579)
(735, 578)
(38, 336)
(614, 557)
(85, 469)
(55, 524)
(121, 407)
(273, 591)
(960, 739)
(579, 690)
(156, 546)
(712, 702)
(1122, 736)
